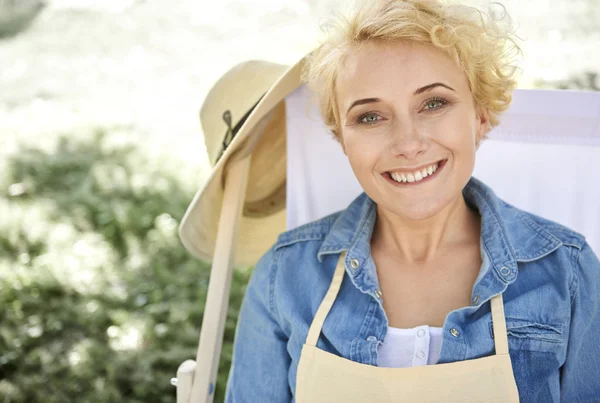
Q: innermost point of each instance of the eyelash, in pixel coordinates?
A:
(442, 101)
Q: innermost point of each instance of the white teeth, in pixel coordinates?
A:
(415, 176)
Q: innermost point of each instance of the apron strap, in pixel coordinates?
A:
(327, 303)
(499, 324)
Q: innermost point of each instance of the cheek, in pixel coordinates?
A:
(457, 135)
(363, 160)
(367, 138)
(459, 143)
(362, 150)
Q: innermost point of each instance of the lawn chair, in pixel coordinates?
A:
(540, 159)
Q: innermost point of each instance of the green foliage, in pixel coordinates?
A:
(100, 302)
(17, 15)
(585, 81)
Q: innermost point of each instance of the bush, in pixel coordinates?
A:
(100, 302)
(17, 15)
(584, 81)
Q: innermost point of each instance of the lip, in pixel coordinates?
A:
(441, 165)
(414, 169)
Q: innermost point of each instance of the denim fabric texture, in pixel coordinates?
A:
(547, 273)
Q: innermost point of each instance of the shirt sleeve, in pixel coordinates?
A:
(260, 363)
(580, 374)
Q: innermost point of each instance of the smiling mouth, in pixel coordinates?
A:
(417, 177)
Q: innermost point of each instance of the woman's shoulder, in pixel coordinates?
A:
(566, 235)
(524, 229)
(291, 267)
(542, 226)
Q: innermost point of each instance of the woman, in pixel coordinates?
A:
(428, 286)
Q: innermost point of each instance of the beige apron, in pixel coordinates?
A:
(325, 377)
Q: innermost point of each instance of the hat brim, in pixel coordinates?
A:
(199, 226)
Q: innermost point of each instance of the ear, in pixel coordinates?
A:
(340, 140)
(483, 124)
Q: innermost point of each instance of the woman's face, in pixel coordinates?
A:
(406, 111)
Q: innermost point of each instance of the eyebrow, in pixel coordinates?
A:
(417, 92)
(432, 86)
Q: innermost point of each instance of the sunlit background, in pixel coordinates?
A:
(100, 153)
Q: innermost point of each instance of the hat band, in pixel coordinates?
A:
(232, 131)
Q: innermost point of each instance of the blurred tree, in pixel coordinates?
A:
(583, 16)
(586, 81)
(91, 208)
(17, 15)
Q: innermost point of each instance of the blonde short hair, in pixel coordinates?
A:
(481, 45)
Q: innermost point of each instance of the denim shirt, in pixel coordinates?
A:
(547, 273)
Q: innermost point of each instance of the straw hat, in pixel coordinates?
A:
(244, 113)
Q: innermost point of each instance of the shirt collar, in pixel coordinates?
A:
(508, 234)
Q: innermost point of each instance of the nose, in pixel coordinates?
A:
(407, 142)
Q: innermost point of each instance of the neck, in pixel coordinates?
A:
(422, 241)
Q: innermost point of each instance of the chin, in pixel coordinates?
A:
(417, 210)
(417, 214)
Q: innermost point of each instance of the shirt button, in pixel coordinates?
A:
(420, 355)
(354, 263)
(475, 299)
(505, 271)
(454, 332)
(421, 333)
(378, 294)
(371, 338)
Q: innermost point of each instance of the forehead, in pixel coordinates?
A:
(398, 66)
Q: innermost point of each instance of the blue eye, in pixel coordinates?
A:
(368, 118)
(435, 101)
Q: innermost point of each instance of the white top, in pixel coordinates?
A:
(410, 347)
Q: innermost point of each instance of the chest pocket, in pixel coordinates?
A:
(532, 336)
